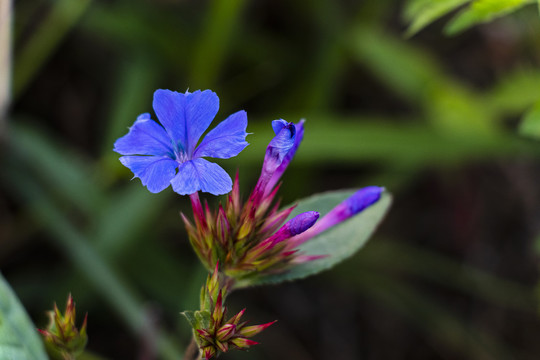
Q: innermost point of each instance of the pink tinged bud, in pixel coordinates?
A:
(208, 352)
(205, 335)
(213, 283)
(219, 310)
(272, 223)
(189, 226)
(236, 318)
(351, 206)
(243, 343)
(265, 202)
(222, 226)
(225, 332)
(208, 213)
(253, 330)
(222, 346)
(233, 204)
(198, 213)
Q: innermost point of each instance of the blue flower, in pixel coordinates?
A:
(168, 155)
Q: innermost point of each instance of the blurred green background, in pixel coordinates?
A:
(451, 273)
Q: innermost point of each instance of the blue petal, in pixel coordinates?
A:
(169, 108)
(284, 140)
(185, 116)
(226, 140)
(277, 125)
(145, 137)
(290, 154)
(155, 172)
(201, 108)
(201, 175)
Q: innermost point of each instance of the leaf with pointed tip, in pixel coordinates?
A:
(19, 339)
(421, 13)
(337, 243)
(482, 11)
(190, 316)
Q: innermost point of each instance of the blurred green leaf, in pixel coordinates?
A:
(456, 111)
(515, 91)
(79, 250)
(438, 323)
(412, 77)
(355, 140)
(397, 257)
(128, 213)
(19, 339)
(482, 11)
(423, 12)
(530, 125)
(337, 243)
(132, 96)
(67, 174)
(140, 32)
(57, 23)
(222, 20)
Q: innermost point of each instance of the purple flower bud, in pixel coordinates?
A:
(281, 169)
(280, 145)
(302, 222)
(361, 200)
(295, 226)
(351, 206)
(276, 153)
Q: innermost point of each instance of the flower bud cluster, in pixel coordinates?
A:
(254, 239)
(63, 340)
(212, 332)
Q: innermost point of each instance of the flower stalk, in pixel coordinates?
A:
(212, 331)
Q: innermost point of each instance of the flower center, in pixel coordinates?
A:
(180, 155)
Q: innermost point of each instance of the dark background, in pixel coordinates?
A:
(450, 274)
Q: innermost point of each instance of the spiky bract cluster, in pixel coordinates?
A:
(214, 334)
(246, 239)
(62, 338)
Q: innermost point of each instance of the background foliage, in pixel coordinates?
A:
(436, 119)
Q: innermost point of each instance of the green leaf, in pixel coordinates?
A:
(190, 316)
(482, 11)
(197, 319)
(412, 77)
(339, 242)
(19, 339)
(421, 13)
(530, 125)
(45, 40)
(203, 319)
(515, 92)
